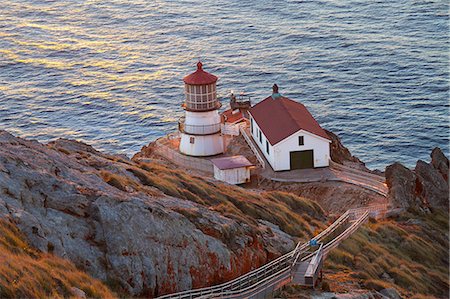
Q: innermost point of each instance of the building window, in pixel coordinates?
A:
(192, 140)
(251, 124)
(267, 147)
(260, 136)
(301, 140)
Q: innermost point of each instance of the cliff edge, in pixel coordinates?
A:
(144, 228)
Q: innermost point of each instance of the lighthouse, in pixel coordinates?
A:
(200, 128)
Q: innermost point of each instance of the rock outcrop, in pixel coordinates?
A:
(340, 154)
(424, 187)
(440, 162)
(67, 198)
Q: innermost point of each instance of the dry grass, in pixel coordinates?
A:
(411, 256)
(295, 215)
(27, 273)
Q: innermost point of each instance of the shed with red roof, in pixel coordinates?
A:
(233, 170)
(288, 135)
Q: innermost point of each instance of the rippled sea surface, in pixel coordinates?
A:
(109, 72)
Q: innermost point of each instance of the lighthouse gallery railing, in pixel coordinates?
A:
(198, 129)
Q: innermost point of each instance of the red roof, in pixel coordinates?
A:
(200, 77)
(231, 117)
(231, 162)
(281, 117)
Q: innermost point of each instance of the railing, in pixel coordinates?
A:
(361, 178)
(275, 266)
(328, 231)
(252, 146)
(163, 149)
(280, 267)
(314, 267)
(198, 129)
(374, 211)
(350, 230)
(278, 272)
(361, 173)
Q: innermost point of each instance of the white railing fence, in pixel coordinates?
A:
(361, 173)
(163, 149)
(243, 129)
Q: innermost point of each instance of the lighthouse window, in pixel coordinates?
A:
(204, 89)
(192, 140)
(260, 136)
(267, 147)
(251, 124)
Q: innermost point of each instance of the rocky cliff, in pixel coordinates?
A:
(342, 155)
(145, 228)
(423, 187)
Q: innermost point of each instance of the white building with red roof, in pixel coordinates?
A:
(288, 135)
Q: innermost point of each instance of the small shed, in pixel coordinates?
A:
(233, 170)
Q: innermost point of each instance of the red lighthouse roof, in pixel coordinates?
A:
(200, 77)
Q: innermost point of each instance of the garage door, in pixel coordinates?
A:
(302, 159)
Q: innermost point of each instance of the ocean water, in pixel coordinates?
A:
(109, 72)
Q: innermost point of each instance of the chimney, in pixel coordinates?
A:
(275, 93)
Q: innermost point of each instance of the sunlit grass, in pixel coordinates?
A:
(27, 273)
(295, 215)
(413, 258)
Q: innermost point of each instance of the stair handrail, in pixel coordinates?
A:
(350, 230)
(366, 174)
(247, 138)
(315, 261)
(288, 258)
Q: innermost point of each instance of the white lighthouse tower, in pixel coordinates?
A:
(200, 128)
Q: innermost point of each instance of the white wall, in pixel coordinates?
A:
(232, 176)
(204, 145)
(262, 145)
(279, 154)
(319, 145)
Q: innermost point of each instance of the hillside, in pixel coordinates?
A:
(28, 273)
(405, 254)
(147, 228)
(143, 228)
(408, 252)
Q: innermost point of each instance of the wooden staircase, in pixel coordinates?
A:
(298, 276)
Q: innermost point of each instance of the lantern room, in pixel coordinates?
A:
(200, 91)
